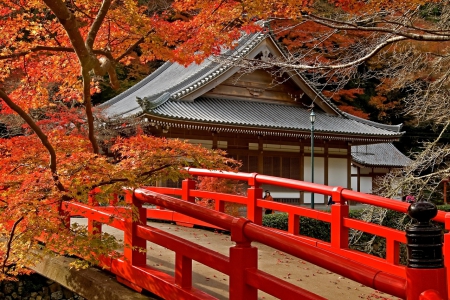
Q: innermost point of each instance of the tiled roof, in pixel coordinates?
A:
(175, 79)
(382, 155)
(162, 92)
(265, 115)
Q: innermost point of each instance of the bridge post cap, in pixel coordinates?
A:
(424, 240)
(422, 211)
(237, 231)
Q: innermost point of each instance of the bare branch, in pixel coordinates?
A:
(399, 29)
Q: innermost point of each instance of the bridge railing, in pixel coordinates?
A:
(338, 218)
(382, 274)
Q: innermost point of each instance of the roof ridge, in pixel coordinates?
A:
(137, 86)
(382, 154)
(249, 42)
(395, 128)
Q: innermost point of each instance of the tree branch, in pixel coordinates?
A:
(8, 245)
(88, 108)
(39, 133)
(128, 51)
(115, 180)
(70, 24)
(97, 24)
(435, 36)
(330, 67)
(53, 49)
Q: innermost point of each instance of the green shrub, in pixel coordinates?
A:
(316, 229)
(322, 230)
(277, 221)
(308, 227)
(444, 207)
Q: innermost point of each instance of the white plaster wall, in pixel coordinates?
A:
(281, 192)
(337, 176)
(337, 172)
(318, 177)
(318, 169)
(365, 182)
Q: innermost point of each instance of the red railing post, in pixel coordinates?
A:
(446, 249)
(187, 185)
(183, 271)
(254, 212)
(426, 276)
(219, 205)
(254, 192)
(134, 247)
(242, 256)
(339, 211)
(94, 227)
(293, 224)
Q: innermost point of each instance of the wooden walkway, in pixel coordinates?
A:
(292, 269)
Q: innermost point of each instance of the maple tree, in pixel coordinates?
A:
(53, 55)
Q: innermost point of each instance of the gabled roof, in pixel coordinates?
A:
(379, 155)
(175, 81)
(174, 93)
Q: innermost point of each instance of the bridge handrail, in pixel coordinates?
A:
(385, 275)
(339, 235)
(366, 275)
(340, 226)
(255, 179)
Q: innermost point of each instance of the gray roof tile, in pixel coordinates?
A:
(174, 79)
(266, 115)
(158, 94)
(382, 155)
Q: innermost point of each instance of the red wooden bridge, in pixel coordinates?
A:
(245, 279)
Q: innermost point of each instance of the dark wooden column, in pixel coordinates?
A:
(214, 139)
(358, 178)
(302, 168)
(260, 154)
(349, 165)
(325, 166)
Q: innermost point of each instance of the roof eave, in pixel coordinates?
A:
(272, 130)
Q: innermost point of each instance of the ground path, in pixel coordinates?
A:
(292, 269)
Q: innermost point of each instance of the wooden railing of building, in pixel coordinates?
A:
(245, 279)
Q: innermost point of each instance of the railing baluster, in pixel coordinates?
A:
(242, 257)
(94, 227)
(135, 247)
(339, 211)
(187, 185)
(254, 212)
(183, 271)
(392, 251)
(219, 205)
(294, 224)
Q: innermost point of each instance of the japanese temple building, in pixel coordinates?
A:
(262, 120)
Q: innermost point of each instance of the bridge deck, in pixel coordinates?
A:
(294, 270)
